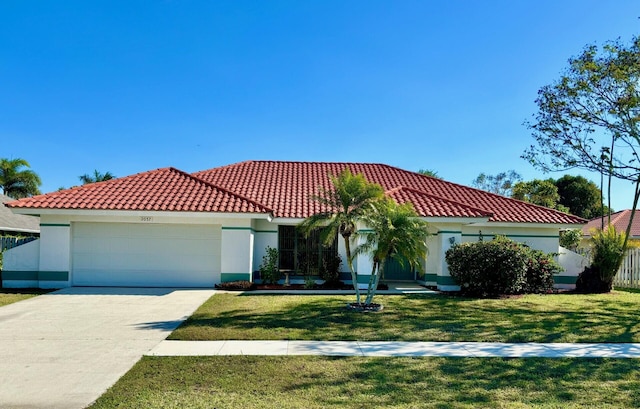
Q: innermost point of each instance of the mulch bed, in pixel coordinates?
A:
(373, 307)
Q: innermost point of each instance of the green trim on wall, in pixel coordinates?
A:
(449, 232)
(19, 275)
(53, 276)
(36, 275)
(445, 280)
(226, 277)
(532, 236)
(431, 277)
(251, 229)
(54, 225)
(363, 278)
(565, 279)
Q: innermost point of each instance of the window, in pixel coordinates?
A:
(303, 255)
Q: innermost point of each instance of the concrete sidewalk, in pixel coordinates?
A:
(396, 349)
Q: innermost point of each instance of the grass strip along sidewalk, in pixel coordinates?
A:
(315, 382)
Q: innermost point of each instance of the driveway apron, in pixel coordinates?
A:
(64, 349)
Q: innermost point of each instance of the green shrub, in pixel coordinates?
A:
(309, 283)
(501, 266)
(269, 271)
(541, 268)
(608, 252)
(330, 271)
(571, 238)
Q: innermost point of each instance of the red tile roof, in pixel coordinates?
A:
(286, 188)
(166, 189)
(619, 220)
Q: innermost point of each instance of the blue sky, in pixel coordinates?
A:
(132, 86)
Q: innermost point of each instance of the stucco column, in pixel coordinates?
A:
(237, 254)
(55, 254)
(447, 239)
(362, 263)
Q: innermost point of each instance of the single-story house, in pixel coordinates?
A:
(169, 228)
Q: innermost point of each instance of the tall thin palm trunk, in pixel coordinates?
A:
(354, 275)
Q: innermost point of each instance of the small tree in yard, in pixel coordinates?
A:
(608, 249)
(269, 271)
(341, 208)
(396, 232)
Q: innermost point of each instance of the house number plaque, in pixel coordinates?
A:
(146, 218)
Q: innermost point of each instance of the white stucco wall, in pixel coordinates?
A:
(265, 235)
(573, 264)
(237, 252)
(24, 258)
(236, 249)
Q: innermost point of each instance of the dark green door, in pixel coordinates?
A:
(394, 271)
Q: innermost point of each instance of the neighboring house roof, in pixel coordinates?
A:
(619, 220)
(18, 223)
(166, 189)
(285, 189)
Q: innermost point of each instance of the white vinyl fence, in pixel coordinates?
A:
(9, 242)
(629, 274)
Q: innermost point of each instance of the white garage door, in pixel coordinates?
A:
(145, 255)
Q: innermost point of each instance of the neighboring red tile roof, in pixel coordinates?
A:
(286, 188)
(166, 189)
(619, 220)
(432, 206)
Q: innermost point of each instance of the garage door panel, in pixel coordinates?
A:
(119, 254)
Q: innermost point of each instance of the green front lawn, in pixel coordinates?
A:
(320, 382)
(550, 318)
(11, 295)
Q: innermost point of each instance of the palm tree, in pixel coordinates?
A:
(16, 182)
(345, 205)
(96, 177)
(395, 232)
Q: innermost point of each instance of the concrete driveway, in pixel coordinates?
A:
(64, 349)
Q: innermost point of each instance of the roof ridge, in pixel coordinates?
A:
(431, 195)
(224, 166)
(301, 161)
(620, 215)
(200, 180)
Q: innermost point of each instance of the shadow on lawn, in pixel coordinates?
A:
(417, 318)
(447, 383)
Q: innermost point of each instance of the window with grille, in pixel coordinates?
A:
(303, 255)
